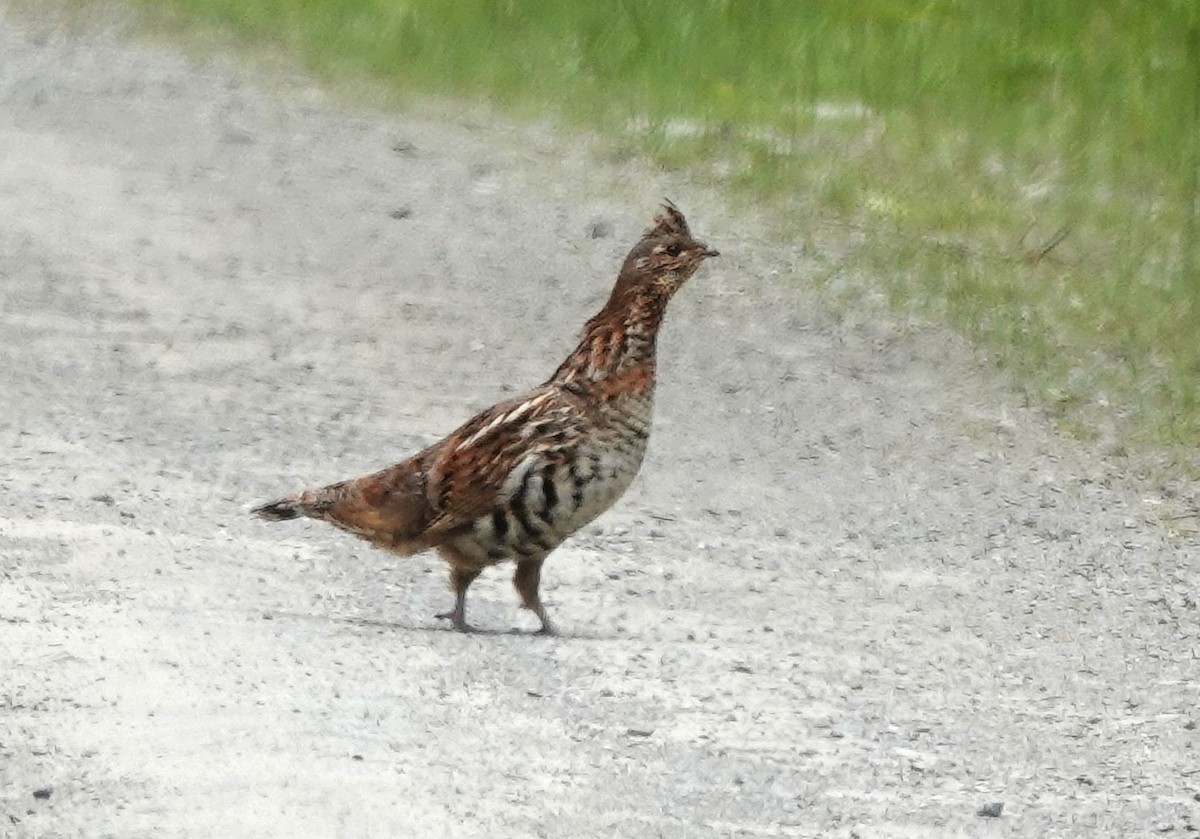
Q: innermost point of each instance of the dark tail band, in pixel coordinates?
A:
(282, 510)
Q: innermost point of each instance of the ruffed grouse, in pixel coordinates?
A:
(517, 479)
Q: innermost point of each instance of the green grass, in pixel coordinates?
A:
(959, 136)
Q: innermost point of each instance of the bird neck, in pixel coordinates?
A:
(619, 342)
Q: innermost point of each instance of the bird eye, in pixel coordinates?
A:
(673, 249)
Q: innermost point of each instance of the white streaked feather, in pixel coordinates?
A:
(501, 420)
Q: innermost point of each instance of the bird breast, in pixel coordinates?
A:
(549, 496)
(603, 468)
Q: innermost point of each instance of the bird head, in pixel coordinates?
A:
(666, 257)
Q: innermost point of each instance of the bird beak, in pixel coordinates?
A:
(709, 252)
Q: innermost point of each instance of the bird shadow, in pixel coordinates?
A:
(439, 628)
(485, 632)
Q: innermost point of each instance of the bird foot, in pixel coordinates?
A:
(459, 623)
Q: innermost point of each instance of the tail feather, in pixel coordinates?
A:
(281, 510)
(388, 508)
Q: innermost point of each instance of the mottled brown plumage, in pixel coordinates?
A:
(517, 479)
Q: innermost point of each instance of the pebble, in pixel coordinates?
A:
(600, 229)
(991, 810)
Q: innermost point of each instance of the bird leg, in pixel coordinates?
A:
(526, 580)
(461, 577)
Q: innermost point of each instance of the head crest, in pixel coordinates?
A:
(669, 222)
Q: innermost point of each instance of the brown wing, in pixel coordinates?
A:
(436, 493)
(479, 466)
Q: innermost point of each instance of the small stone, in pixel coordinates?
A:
(600, 229)
(43, 793)
(237, 137)
(991, 810)
(401, 213)
(844, 729)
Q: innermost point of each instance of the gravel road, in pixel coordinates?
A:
(859, 589)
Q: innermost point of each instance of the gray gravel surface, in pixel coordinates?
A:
(859, 589)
